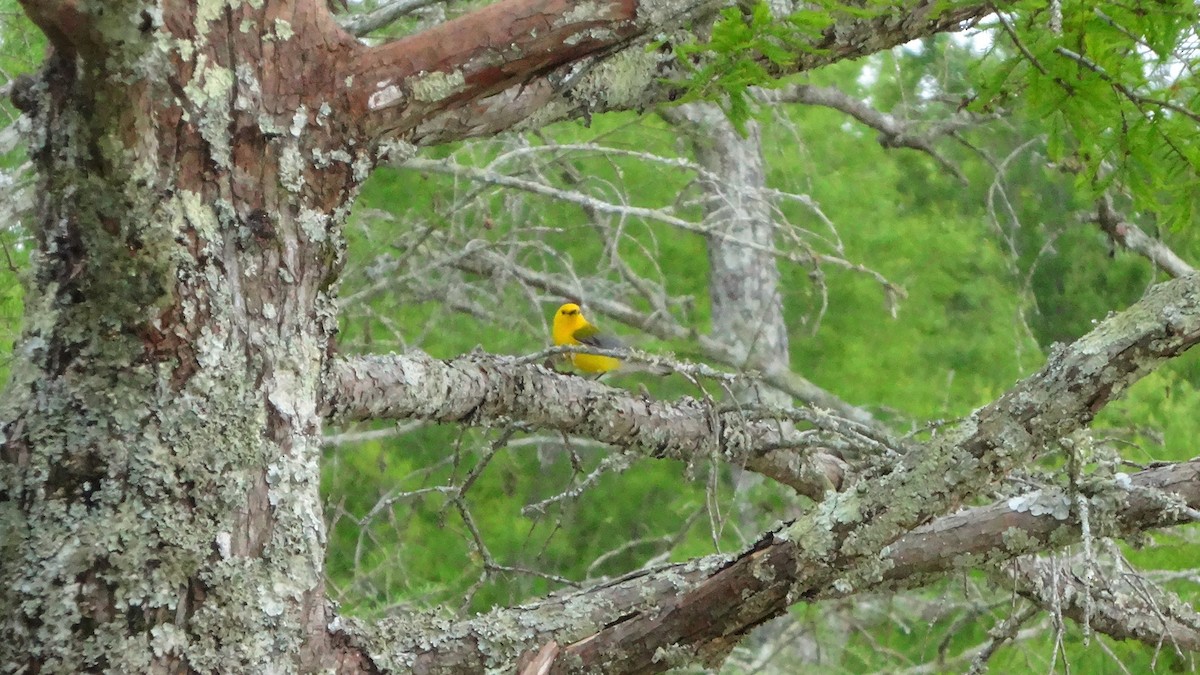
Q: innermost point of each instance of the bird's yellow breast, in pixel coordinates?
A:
(593, 363)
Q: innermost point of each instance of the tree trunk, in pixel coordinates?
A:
(747, 310)
(161, 433)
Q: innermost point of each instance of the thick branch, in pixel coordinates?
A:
(1153, 498)
(841, 544)
(402, 83)
(489, 390)
(963, 541)
(526, 63)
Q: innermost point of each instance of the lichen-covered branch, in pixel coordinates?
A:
(992, 534)
(564, 60)
(1043, 520)
(1124, 606)
(841, 545)
(490, 390)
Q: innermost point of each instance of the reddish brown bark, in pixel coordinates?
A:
(492, 49)
(117, 245)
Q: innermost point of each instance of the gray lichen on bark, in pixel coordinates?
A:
(161, 426)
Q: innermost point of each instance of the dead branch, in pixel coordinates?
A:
(1132, 237)
(893, 132)
(1121, 608)
(984, 535)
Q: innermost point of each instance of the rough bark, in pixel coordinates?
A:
(158, 491)
(974, 538)
(160, 432)
(485, 390)
(1124, 606)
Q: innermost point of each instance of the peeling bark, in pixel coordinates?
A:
(484, 52)
(618, 73)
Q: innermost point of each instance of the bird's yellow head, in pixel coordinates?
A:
(567, 320)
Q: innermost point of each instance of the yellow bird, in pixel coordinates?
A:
(570, 328)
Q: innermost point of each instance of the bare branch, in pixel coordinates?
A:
(600, 206)
(893, 133)
(992, 534)
(1121, 608)
(480, 389)
(490, 264)
(372, 435)
(1135, 239)
(1008, 631)
(361, 24)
